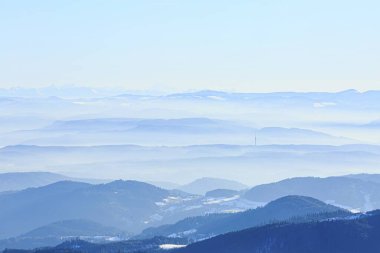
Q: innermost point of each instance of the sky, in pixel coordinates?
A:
(240, 45)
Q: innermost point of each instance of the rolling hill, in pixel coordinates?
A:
(283, 209)
(348, 192)
(127, 205)
(58, 232)
(203, 185)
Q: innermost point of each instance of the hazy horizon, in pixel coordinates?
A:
(173, 91)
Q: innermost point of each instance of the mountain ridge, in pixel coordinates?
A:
(282, 209)
(359, 234)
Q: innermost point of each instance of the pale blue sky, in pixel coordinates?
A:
(257, 45)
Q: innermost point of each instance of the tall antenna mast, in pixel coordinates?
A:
(255, 139)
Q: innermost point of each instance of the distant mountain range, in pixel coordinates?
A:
(345, 95)
(189, 125)
(180, 131)
(343, 98)
(297, 118)
(75, 92)
(162, 163)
